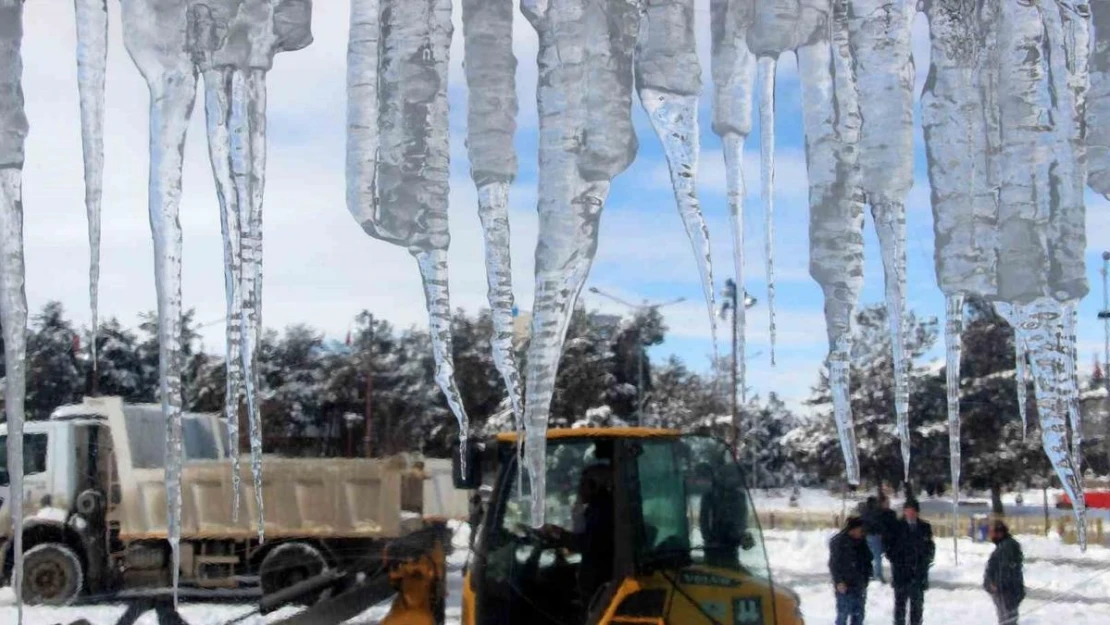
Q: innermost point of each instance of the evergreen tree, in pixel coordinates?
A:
(54, 373)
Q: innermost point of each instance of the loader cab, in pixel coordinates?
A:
(631, 516)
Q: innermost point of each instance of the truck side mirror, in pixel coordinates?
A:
(470, 476)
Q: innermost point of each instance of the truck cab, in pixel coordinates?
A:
(72, 490)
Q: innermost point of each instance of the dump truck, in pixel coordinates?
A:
(95, 508)
(641, 526)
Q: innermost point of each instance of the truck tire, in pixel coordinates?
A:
(289, 563)
(52, 575)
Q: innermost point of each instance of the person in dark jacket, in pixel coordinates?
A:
(850, 567)
(1004, 579)
(878, 521)
(910, 548)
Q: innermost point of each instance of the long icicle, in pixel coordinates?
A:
(13, 297)
(767, 66)
(247, 118)
(92, 61)
(733, 69)
(832, 125)
(491, 124)
(218, 113)
(953, 337)
(668, 80)
(734, 179)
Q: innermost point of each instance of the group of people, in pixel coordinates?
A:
(856, 558)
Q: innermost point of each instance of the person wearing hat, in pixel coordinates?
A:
(850, 566)
(910, 549)
(1003, 578)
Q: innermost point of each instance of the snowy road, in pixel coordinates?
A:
(1065, 585)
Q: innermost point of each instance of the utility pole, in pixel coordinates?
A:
(369, 355)
(730, 307)
(638, 309)
(1104, 315)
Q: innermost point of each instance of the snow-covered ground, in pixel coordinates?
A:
(1066, 586)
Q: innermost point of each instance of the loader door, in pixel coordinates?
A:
(549, 576)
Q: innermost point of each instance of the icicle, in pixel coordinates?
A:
(1021, 373)
(92, 60)
(582, 94)
(734, 179)
(879, 34)
(668, 79)
(217, 84)
(1069, 383)
(1098, 103)
(397, 116)
(734, 69)
(433, 273)
(13, 298)
(248, 150)
(156, 43)
(767, 180)
(491, 123)
(832, 123)
(953, 335)
(1041, 324)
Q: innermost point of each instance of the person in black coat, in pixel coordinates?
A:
(850, 567)
(1004, 579)
(910, 548)
(878, 520)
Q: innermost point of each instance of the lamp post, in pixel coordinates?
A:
(638, 309)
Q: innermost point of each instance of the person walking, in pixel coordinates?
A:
(911, 550)
(850, 567)
(878, 521)
(1004, 579)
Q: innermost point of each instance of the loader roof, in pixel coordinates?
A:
(626, 432)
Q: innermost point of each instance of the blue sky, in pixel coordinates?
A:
(321, 268)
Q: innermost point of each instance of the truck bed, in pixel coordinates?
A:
(301, 497)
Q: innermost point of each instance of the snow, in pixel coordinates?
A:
(1059, 578)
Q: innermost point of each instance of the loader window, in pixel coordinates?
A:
(694, 508)
(34, 456)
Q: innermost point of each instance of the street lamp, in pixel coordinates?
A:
(638, 309)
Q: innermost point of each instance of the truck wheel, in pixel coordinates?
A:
(52, 575)
(288, 564)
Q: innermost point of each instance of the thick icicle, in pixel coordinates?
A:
(832, 125)
(92, 61)
(13, 297)
(1033, 273)
(585, 89)
(413, 172)
(668, 80)
(156, 43)
(953, 337)
(733, 68)
(217, 83)
(879, 34)
(1098, 102)
(397, 148)
(1041, 323)
(767, 67)
(965, 214)
(491, 123)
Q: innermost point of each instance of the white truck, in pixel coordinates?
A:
(95, 507)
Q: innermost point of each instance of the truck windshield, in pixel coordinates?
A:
(34, 456)
(695, 508)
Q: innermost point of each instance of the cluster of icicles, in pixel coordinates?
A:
(1015, 113)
